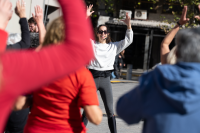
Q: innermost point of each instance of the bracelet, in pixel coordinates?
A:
(179, 24)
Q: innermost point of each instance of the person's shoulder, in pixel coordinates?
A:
(150, 74)
(157, 73)
(165, 67)
(83, 72)
(84, 77)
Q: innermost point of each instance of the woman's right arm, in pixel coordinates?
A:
(89, 12)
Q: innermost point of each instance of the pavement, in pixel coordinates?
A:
(119, 87)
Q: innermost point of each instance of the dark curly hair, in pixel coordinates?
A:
(31, 20)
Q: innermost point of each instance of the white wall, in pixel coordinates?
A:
(33, 4)
(54, 16)
(52, 3)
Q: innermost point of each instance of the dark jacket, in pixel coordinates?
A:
(167, 99)
(121, 60)
(25, 42)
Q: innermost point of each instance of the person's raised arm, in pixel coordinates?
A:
(198, 17)
(5, 15)
(170, 36)
(89, 11)
(127, 21)
(123, 44)
(38, 17)
(20, 10)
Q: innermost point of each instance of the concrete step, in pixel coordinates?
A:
(136, 73)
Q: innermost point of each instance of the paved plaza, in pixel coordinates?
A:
(119, 88)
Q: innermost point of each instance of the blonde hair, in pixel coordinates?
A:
(55, 34)
(171, 57)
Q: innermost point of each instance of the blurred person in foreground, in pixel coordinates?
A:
(24, 71)
(17, 119)
(168, 98)
(56, 107)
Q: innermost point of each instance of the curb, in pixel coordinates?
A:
(123, 81)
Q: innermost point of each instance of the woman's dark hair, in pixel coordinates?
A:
(108, 40)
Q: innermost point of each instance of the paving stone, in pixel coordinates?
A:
(118, 90)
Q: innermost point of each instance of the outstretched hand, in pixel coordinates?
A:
(198, 17)
(38, 16)
(89, 12)
(20, 9)
(183, 20)
(127, 21)
(5, 13)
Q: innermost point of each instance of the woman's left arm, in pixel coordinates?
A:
(121, 45)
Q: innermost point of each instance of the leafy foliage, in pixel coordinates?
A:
(168, 7)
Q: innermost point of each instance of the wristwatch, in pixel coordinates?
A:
(179, 24)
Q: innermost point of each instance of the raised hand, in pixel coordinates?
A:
(20, 9)
(89, 12)
(38, 16)
(127, 21)
(183, 20)
(198, 17)
(5, 13)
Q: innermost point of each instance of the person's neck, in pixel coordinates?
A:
(103, 42)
